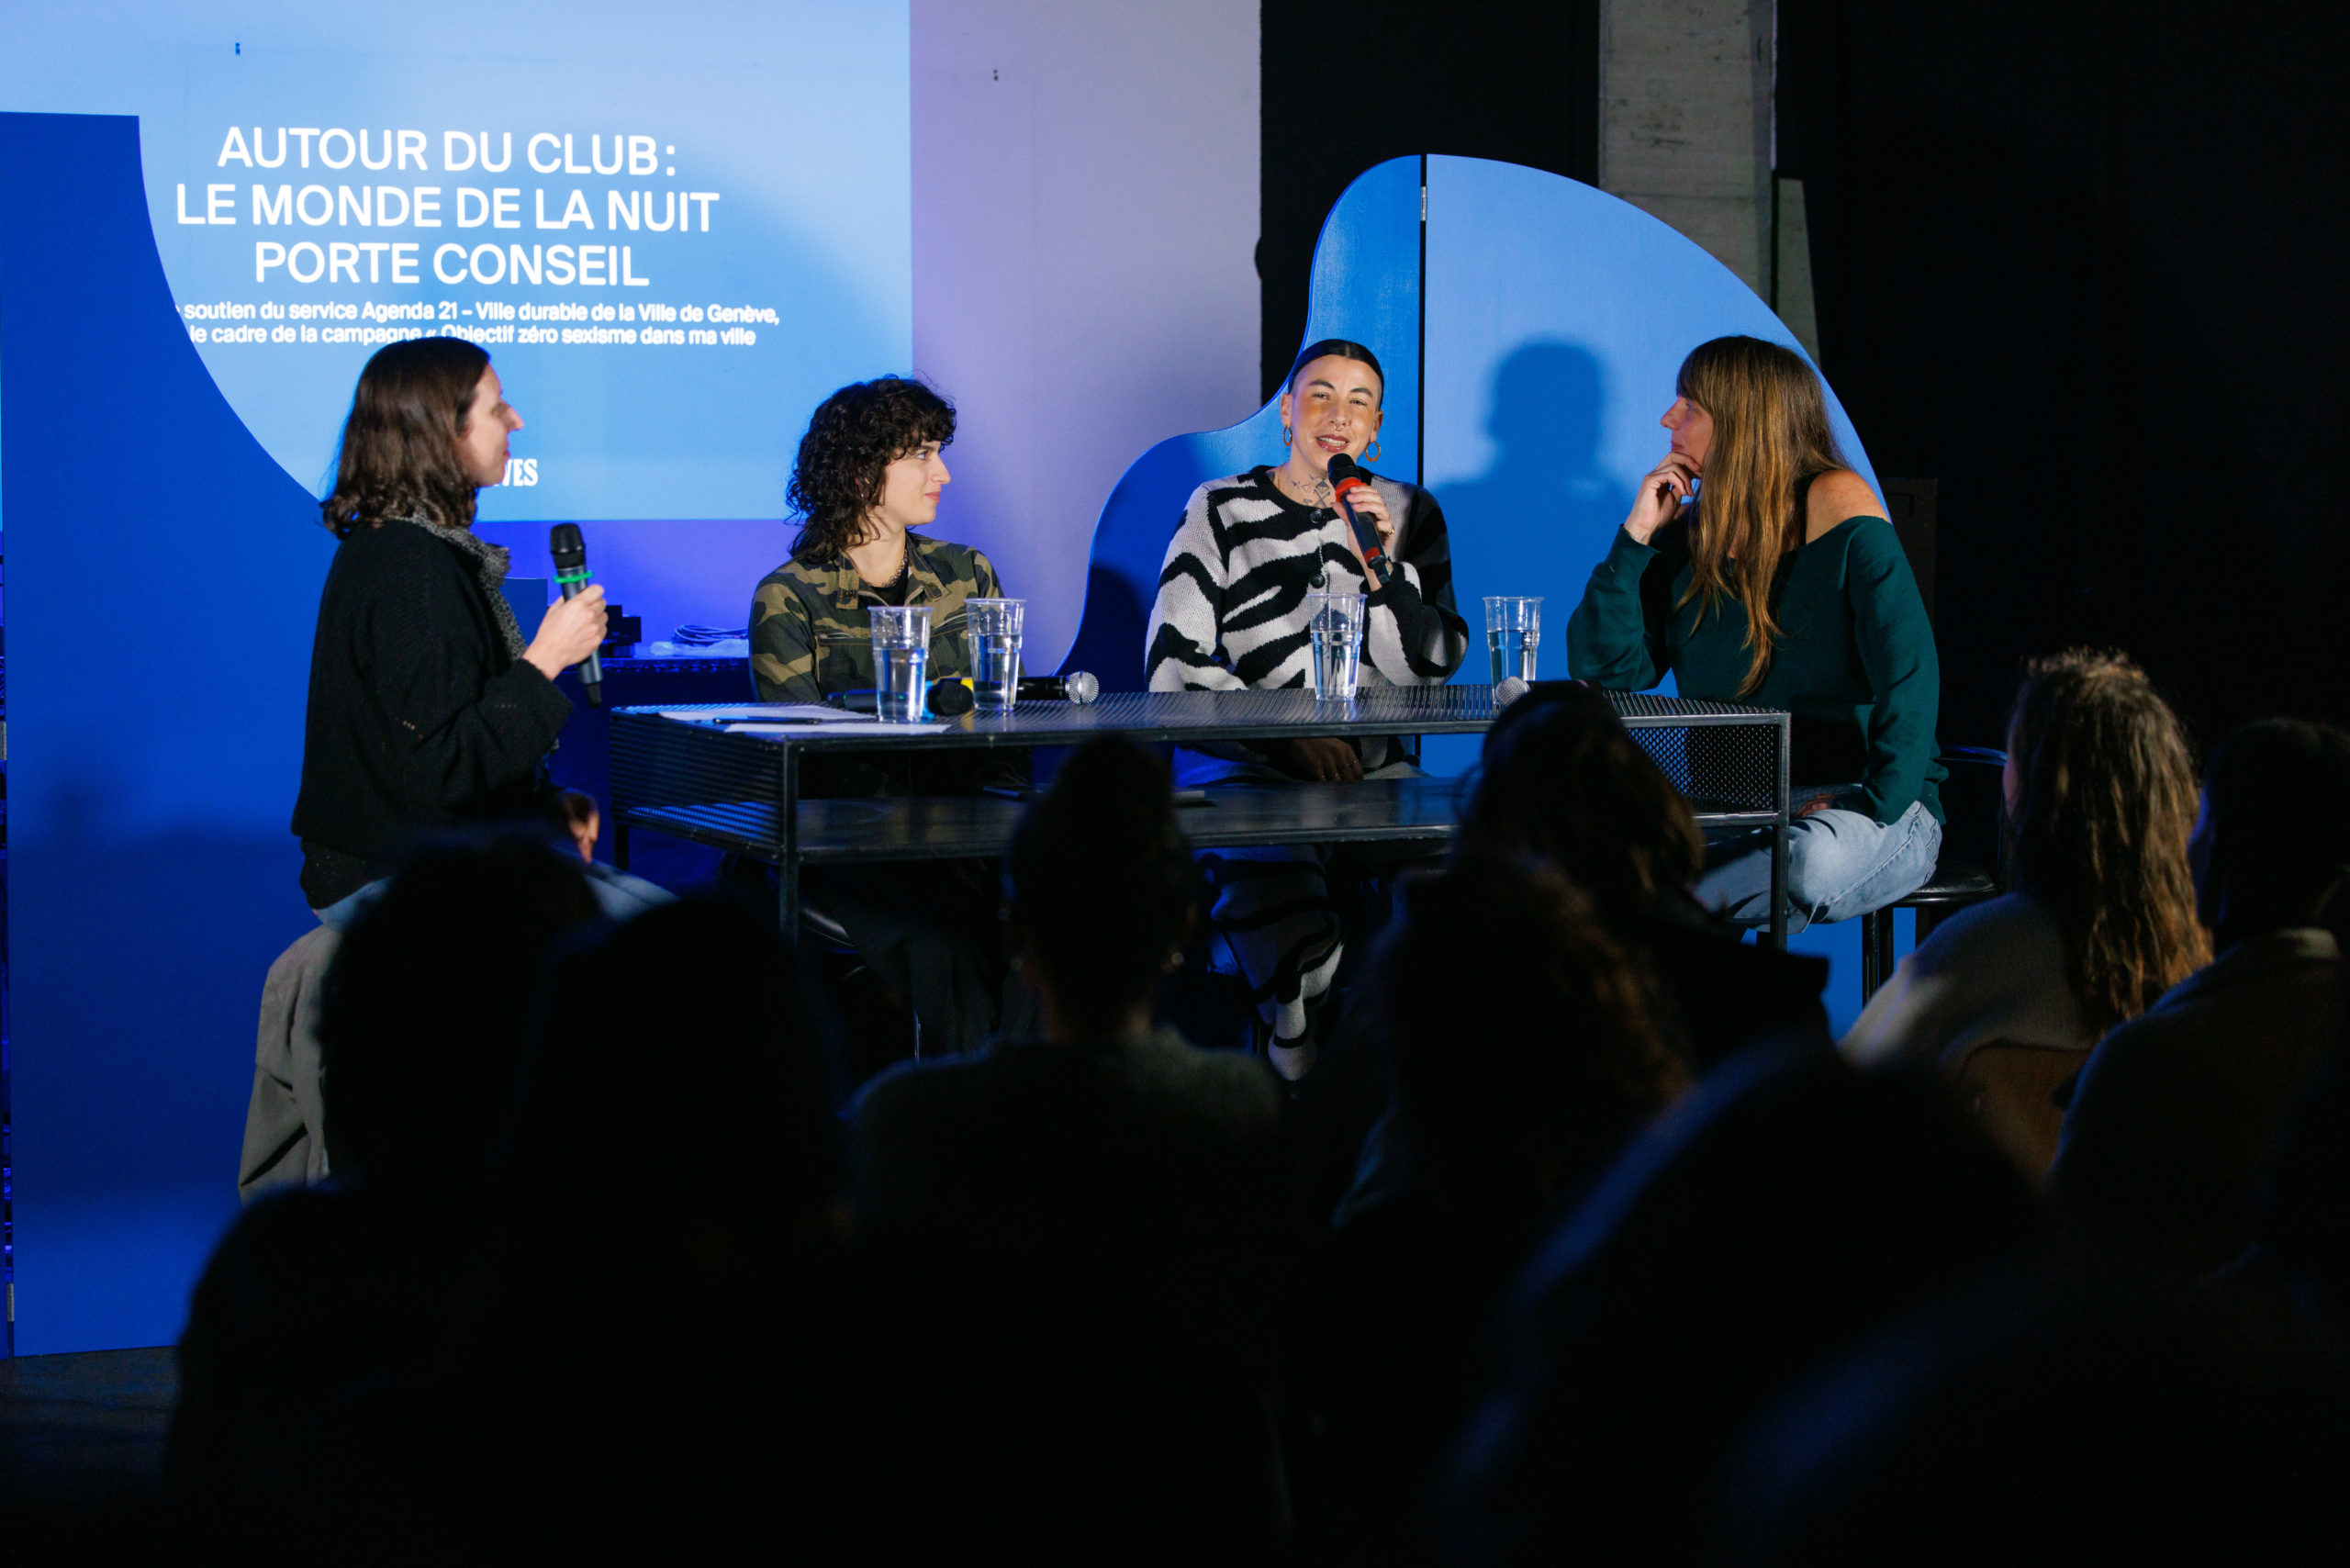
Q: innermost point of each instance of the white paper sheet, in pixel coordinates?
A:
(857, 725)
(799, 712)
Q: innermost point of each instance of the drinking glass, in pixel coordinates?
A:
(1513, 631)
(900, 660)
(1335, 620)
(991, 626)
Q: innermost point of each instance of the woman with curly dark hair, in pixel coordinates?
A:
(870, 471)
(2101, 803)
(427, 707)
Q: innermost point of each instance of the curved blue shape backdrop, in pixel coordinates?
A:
(1555, 316)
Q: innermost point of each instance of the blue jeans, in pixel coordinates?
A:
(1840, 864)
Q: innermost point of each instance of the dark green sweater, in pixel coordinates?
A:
(1854, 662)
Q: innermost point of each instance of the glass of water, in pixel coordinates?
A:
(1513, 632)
(900, 660)
(991, 626)
(1336, 621)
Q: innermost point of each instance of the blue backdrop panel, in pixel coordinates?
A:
(1555, 316)
(1366, 287)
(164, 579)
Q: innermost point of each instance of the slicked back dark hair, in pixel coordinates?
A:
(399, 444)
(1343, 348)
(852, 438)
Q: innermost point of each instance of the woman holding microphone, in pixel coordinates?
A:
(427, 707)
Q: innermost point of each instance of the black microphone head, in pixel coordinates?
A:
(1343, 467)
(570, 551)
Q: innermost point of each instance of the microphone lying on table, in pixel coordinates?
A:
(1347, 476)
(951, 696)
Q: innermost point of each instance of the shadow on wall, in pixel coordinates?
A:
(1543, 494)
(1543, 415)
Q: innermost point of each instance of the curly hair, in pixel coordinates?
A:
(398, 453)
(2098, 832)
(852, 438)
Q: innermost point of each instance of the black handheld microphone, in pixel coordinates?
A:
(570, 553)
(1345, 475)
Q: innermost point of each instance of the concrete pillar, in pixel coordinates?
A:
(1686, 121)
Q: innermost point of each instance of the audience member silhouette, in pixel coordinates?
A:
(2178, 1112)
(652, 1370)
(1076, 1236)
(1560, 778)
(2302, 1211)
(2040, 1419)
(316, 1288)
(2100, 800)
(1785, 1208)
(1524, 1060)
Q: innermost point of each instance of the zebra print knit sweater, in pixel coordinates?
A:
(1231, 611)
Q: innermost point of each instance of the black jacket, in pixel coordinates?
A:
(419, 717)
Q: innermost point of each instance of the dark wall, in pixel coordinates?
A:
(2083, 265)
(1346, 88)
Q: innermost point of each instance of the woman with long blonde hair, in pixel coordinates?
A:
(2100, 804)
(1782, 585)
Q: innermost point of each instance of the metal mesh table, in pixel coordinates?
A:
(703, 781)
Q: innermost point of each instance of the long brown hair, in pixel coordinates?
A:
(2098, 833)
(1561, 779)
(399, 445)
(1770, 434)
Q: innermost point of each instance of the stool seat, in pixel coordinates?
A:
(1954, 884)
(1953, 881)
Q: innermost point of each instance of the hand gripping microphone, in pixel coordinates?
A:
(570, 553)
(1346, 477)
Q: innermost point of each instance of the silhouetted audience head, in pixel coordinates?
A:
(1101, 887)
(1563, 780)
(2272, 847)
(680, 1091)
(2037, 1418)
(1524, 1052)
(1560, 778)
(421, 1022)
(2100, 801)
(1785, 1207)
(2301, 1219)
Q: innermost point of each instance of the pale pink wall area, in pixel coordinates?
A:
(1085, 282)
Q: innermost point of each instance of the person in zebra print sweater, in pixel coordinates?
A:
(1231, 615)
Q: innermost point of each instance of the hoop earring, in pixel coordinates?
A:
(1373, 453)
(1286, 438)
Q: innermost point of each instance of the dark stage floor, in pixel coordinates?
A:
(82, 1437)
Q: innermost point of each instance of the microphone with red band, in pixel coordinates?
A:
(1346, 477)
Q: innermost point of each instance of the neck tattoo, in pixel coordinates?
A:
(1317, 494)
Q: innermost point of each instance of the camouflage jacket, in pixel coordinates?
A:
(810, 635)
